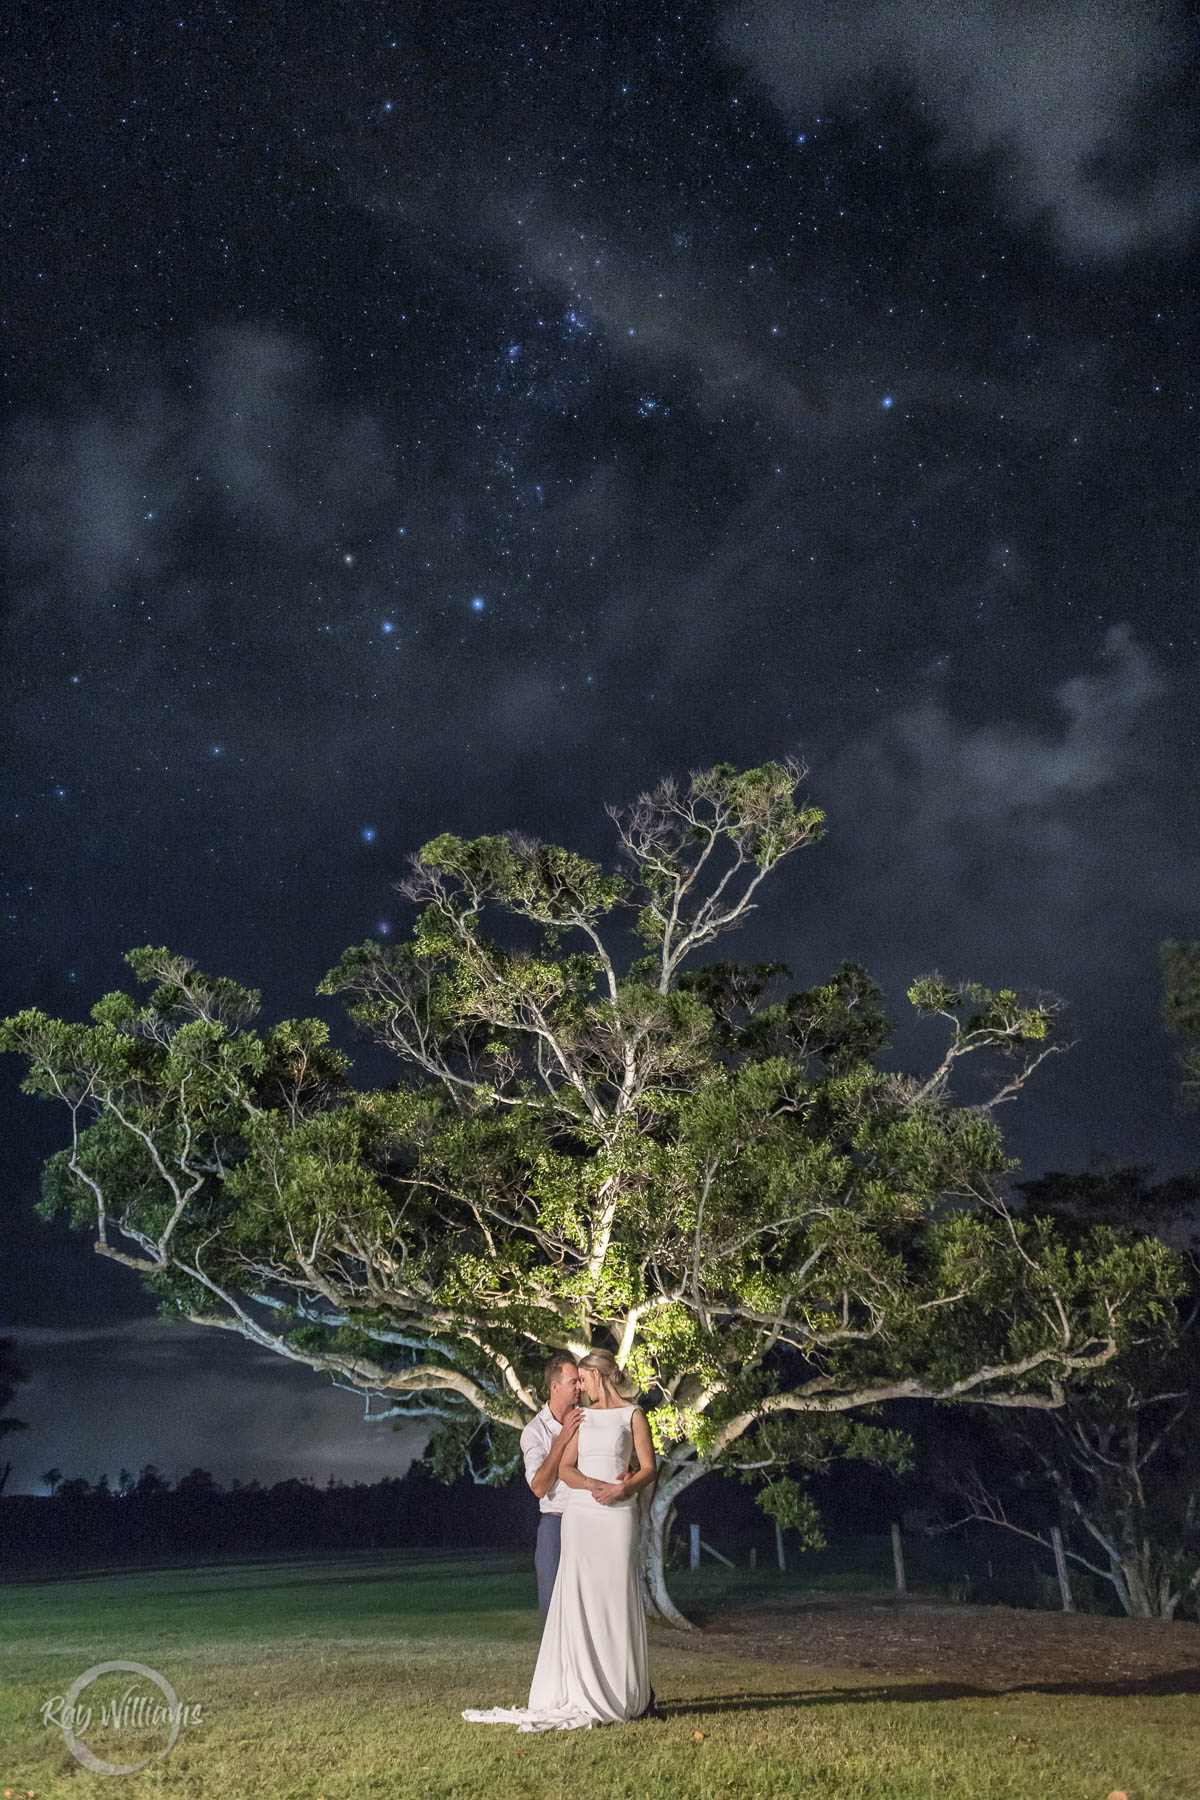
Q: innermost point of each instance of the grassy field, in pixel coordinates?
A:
(343, 1679)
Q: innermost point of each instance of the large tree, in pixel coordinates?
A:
(702, 1168)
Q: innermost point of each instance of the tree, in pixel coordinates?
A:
(198, 1485)
(11, 1377)
(700, 1169)
(148, 1485)
(1118, 1464)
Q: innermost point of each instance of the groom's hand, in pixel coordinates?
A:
(608, 1491)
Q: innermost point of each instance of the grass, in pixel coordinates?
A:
(343, 1679)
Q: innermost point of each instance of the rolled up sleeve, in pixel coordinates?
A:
(535, 1448)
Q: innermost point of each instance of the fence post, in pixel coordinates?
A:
(898, 1559)
(693, 1547)
(716, 1553)
(1060, 1569)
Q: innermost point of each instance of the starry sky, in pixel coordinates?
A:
(422, 419)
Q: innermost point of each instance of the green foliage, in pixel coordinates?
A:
(785, 1501)
(759, 809)
(998, 1016)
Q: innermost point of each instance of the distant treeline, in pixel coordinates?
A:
(145, 1517)
(145, 1520)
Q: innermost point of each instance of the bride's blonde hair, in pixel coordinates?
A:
(606, 1365)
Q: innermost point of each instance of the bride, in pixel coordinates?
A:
(592, 1667)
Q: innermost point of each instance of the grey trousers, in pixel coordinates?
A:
(545, 1557)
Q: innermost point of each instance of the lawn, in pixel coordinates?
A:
(343, 1679)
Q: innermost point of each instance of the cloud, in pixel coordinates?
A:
(1017, 851)
(253, 449)
(941, 771)
(108, 1397)
(1075, 94)
(1046, 841)
(1005, 799)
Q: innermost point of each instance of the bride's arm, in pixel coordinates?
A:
(568, 1469)
(647, 1472)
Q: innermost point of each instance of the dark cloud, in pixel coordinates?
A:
(1076, 96)
(203, 1399)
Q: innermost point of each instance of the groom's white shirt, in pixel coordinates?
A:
(537, 1440)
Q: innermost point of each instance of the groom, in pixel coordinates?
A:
(542, 1443)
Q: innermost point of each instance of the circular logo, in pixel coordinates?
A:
(87, 1757)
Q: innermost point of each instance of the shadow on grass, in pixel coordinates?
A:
(1179, 1681)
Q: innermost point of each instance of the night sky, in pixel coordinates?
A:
(423, 418)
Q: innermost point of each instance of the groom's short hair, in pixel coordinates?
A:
(555, 1367)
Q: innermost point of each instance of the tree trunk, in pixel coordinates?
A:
(657, 1513)
(1138, 1568)
(898, 1560)
(1060, 1569)
(1144, 1591)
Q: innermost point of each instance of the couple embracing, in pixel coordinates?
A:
(592, 1666)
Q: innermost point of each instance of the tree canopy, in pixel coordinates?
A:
(703, 1168)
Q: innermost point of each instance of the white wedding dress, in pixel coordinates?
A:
(592, 1667)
